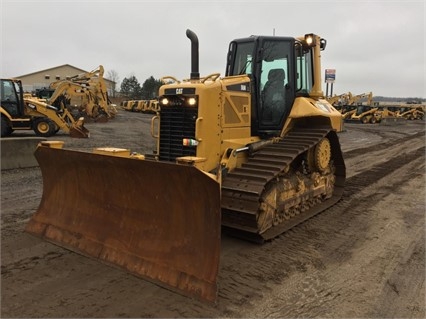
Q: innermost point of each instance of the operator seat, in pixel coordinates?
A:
(273, 96)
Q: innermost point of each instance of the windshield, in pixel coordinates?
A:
(8, 92)
(243, 58)
(270, 63)
(305, 78)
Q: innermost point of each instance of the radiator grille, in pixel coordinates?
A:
(177, 123)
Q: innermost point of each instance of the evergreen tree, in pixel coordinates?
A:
(150, 88)
(131, 88)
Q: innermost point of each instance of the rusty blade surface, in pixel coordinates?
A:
(160, 221)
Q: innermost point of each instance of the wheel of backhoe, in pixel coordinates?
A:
(322, 154)
(6, 129)
(373, 120)
(44, 127)
(364, 120)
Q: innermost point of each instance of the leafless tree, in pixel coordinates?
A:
(113, 76)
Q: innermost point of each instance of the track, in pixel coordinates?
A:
(362, 257)
(242, 189)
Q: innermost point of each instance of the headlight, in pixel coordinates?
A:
(179, 100)
(192, 101)
(310, 39)
(164, 101)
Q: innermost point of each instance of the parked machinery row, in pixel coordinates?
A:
(361, 108)
(144, 106)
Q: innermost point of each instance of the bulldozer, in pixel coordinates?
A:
(21, 111)
(251, 154)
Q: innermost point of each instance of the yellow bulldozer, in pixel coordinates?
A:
(252, 154)
(21, 111)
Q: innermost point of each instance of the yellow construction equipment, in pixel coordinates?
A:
(338, 101)
(88, 91)
(363, 114)
(387, 115)
(129, 105)
(144, 106)
(412, 112)
(256, 152)
(24, 112)
(358, 112)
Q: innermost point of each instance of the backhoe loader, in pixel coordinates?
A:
(252, 154)
(24, 112)
(387, 115)
(412, 112)
(363, 114)
(89, 91)
(338, 101)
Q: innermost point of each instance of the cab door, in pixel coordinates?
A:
(10, 99)
(276, 83)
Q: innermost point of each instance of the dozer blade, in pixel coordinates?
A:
(160, 221)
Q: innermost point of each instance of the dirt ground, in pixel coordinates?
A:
(364, 257)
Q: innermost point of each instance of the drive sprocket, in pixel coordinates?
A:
(322, 155)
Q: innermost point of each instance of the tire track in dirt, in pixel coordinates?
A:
(295, 251)
(382, 146)
(294, 275)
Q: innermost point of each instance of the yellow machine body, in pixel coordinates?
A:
(21, 111)
(222, 163)
(88, 92)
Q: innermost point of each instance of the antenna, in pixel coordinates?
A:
(273, 32)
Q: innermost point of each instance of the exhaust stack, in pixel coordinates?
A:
(195, 74)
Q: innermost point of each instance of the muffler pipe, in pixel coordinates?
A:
(195, 74)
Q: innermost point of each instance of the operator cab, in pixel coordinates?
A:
(11, 97)
(280, 69)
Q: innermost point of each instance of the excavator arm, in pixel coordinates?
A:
(92, 89)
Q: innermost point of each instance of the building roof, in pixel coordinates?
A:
(55, 67)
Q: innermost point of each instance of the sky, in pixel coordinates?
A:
(374, 46)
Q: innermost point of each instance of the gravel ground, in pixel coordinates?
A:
(364, 257)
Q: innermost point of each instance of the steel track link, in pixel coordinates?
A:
(243, 187)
